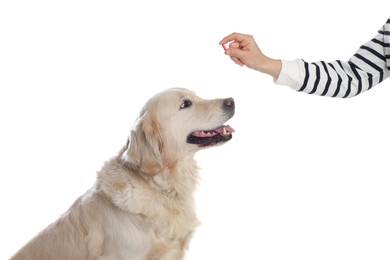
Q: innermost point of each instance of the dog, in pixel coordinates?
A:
(141, 206)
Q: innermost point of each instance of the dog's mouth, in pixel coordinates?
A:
(211, 137)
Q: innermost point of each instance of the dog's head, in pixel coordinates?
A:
(173, 125)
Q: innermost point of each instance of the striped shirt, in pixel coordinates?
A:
(369, 66)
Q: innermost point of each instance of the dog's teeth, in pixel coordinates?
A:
(224, 131)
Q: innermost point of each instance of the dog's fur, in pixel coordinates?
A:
(141, 205)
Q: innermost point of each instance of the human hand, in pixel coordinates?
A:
(243, 50)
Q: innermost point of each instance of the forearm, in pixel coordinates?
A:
(368, 67)
(335, 79)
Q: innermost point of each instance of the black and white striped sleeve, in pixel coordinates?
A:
(369, 66)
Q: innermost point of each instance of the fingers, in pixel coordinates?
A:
(234, 37)
(234, 45)
(237, 61)
(235, 55)
(238, 47)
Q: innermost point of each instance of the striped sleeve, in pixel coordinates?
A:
(369, 66)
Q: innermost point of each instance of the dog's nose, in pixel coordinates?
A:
(228, 103)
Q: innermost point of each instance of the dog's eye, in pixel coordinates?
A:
(186, 103)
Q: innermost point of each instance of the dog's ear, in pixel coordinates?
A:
(145, 146)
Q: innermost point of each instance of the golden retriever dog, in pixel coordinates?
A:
(141, 206)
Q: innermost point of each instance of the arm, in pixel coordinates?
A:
(368, 67)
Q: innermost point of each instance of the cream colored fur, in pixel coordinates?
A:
(141, 205)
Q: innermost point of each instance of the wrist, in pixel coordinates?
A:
(271, 67)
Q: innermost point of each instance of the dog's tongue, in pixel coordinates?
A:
(224, 130)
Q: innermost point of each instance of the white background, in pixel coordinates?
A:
(304, 177)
